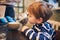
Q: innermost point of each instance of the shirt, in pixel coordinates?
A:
(42, 31)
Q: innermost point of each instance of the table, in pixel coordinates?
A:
(15, 35)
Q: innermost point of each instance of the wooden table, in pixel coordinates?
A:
(57, 35)
(15, 35)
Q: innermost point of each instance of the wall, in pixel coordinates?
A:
(27, 3)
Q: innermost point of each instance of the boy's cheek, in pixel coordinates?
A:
(32, 21)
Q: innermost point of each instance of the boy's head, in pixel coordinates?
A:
(39, 12)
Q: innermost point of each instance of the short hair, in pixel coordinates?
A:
(40, 9)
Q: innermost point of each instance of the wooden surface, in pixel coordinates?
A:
(57, 37)
(15, 35)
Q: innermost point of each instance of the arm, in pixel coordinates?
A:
(32, 35)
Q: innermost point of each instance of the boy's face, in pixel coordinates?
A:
(32, 19)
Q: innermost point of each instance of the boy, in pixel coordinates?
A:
(38, 13)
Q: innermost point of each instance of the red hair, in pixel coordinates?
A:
(40, 9)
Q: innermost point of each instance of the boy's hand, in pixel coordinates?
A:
(24, 28)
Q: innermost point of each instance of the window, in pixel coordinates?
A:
(19, 8)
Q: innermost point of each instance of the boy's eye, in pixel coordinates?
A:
(27, 14)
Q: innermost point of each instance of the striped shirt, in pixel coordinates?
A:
(40, 32)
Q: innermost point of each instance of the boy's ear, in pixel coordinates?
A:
(40, 20)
